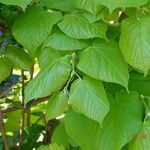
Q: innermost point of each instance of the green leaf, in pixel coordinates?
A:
(82, 130)
(49, 79)
(122, 3)
(61, 41)
(19, 58)
(5, 68)
(56, 106)
(51, 147)
(88, 16)
(123, 121)
(79, 28)
(104, 61)
(33, 27)
(88, 97)
(60, 137)
(93, 6)
(141, 140)
(64, 5)
(139, 83)
(21, 3)
(135, 42)
(47, 56)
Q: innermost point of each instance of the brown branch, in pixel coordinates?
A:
(2, 129)
(20, 107)
(10, 109)
(50, 127)
(39, 100)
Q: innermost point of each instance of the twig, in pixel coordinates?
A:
(23, 112)
(2, 129)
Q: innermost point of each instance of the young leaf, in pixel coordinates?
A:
(141, 139)
(33, 27)
(19, 58)
(104, 61)
(49, 79)
(122, 3)
(60, 41)
(56, 106)
(79, 28)
(5, 68)
(88, 97)
(21, 3)
(135, 42)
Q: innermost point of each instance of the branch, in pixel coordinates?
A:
(10, 109)
(15, 108)
(39, 100)
(20, 107)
